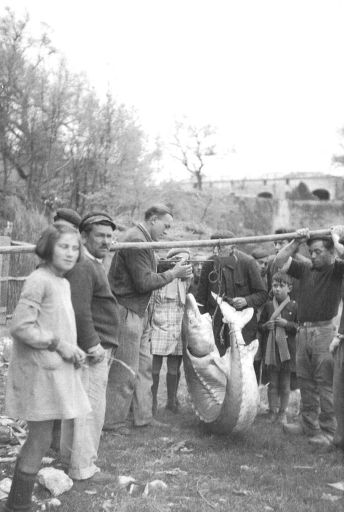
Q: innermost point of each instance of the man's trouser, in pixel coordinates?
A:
(338, 394)
(80, 437)
(314, 367)
(130, 377)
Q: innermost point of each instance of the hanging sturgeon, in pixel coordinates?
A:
(223, 390)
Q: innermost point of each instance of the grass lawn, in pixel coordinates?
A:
(263, 470)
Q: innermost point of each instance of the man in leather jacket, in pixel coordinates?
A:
(233, 275)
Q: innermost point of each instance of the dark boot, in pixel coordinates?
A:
(154, 389)
(55, 443)
(19, 498)
(171, 383)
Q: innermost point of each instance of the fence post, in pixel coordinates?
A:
(4, 269)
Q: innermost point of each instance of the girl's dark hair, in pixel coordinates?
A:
(47, 241)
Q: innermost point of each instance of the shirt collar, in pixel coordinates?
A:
(145, 232)
(90, 256)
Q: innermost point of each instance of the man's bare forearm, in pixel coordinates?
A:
(287, 252)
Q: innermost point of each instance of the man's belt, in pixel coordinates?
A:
(316, 324)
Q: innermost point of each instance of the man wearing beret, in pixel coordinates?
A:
(262, 257)
(97, 322)
(234, 276)
(133, 277)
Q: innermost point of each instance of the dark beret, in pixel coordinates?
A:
(68, 215)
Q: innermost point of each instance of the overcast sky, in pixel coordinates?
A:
(268, 73)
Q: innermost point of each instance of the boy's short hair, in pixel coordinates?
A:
(47, 241)
(282, 277)
(159, 210)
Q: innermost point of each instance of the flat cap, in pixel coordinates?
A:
(174, 252)
(222, 234)
(96, 218)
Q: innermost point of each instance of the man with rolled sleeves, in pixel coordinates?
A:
(319, 298)
(133, 277)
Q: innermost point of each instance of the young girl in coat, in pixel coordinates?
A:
(169, 303)
(43, 382)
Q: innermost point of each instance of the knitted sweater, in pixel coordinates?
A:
(96, 309)
(133, 274)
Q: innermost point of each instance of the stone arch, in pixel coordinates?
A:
(265, 195)
(322, 194)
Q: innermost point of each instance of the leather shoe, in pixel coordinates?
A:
(153, 423)
(294, 429)
(102, 477)
(117, 428)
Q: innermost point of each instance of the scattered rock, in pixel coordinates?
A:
(330, 497)
(137, 488)
(154, 486)
(55, 480)
(338, 485)
(47, 460)
(172, 472)
(5, 485)
(5, 349)
(182, 447)
(124, 481)
(241, 492)
(108, 506)
(51, 505)
(247, 468)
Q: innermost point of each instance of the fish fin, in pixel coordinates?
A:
(206, 383)
(232, 315)
(253, 347)
(223, 363)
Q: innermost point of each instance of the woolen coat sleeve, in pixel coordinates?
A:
(24, 327)
(264, 317)
(82, 282)
(258, 295)
(203, 287)
(139, 264)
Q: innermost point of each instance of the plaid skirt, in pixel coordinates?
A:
(166, 326)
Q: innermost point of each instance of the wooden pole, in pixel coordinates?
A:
(185, 243)
(4, 268)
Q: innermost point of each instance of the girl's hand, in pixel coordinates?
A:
(71, 353)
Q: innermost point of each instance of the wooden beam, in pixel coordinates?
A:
(185, 243)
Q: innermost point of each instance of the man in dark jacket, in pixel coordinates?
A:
(234, 276)
(133, 277)
(97, 323)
